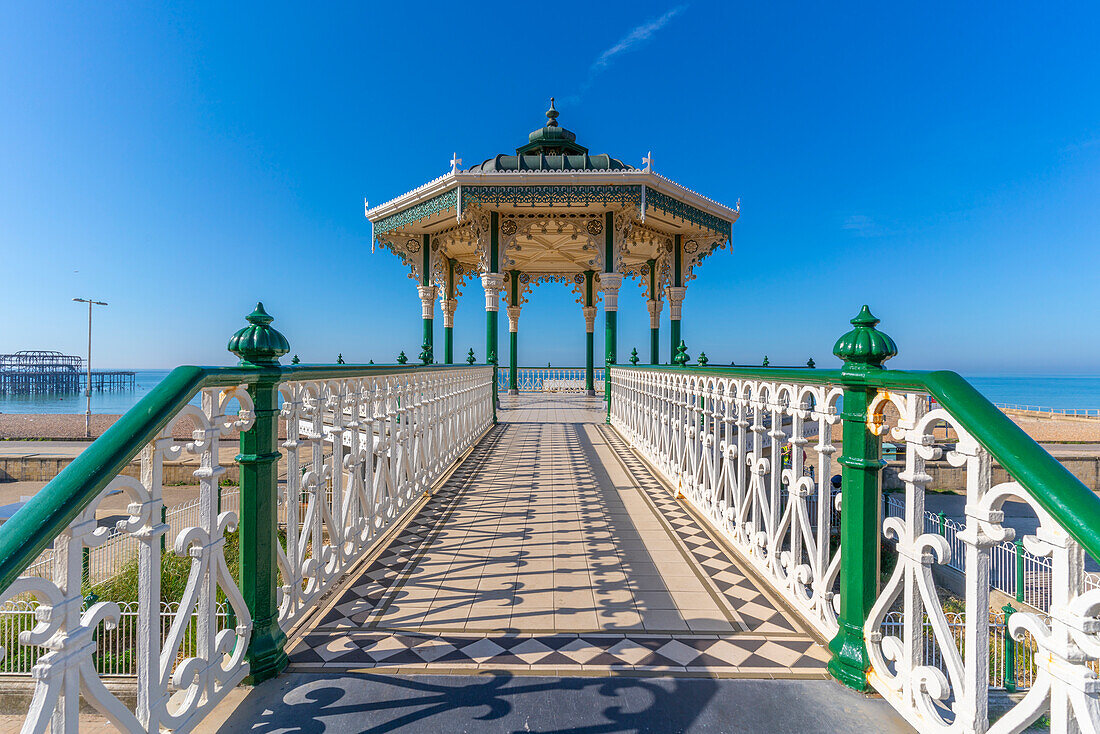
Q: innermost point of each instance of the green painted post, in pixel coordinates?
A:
(1019, 569)
(429, 336)
(513, 331)
(589, 324)
(864, 349)
(449, 344)
(164, 520)
(1010, 652)
(942, 520)
(259, 346)
(610, 342)
(589, 363)
(513, 356)
(674, 335)
(655, 346)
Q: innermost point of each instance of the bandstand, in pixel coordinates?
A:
(551, 212)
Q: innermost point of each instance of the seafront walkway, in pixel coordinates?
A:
(552, 551)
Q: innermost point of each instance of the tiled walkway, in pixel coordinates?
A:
(553, 549)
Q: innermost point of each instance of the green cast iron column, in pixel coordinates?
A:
(674, 305)
(654, 314)
(863, 349)
(513, 331)
(449, 315)
(589, 311)
(427, 294)
(260, 346)
(611, 282)
(449, 344)
(589, 363)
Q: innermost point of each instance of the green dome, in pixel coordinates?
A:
(551, 148)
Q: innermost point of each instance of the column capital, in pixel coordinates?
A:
(655, 305)
(493, 283)
(609, 286)
(513, 318)
(676, 295)
(449, 307)
(589, 318)
(427, 299)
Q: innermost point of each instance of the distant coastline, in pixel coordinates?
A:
(1049, 391)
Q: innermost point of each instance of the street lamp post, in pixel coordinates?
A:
(88, 385)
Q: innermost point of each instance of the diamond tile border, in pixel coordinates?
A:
(800, 657)
(740, 593)
(345, 636)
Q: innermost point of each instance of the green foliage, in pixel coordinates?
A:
(174, 571)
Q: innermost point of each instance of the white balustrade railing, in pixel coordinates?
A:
(359, 452)
(706, 431)
(550, 379)
(1005, 559)
(721, 443)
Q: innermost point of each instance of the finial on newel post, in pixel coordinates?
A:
(259, 344)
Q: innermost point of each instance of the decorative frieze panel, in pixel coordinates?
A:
(444, 202)
(687, 213)
(606, 194)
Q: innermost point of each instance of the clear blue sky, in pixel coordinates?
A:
(940, 161)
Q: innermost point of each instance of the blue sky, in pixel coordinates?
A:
(938, 161)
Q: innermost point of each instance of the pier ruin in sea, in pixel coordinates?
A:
(42, 371)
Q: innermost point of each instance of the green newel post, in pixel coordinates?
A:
(1010, 652)
(634, 356)
(1019, 569)
(470, 358)
(426, 356)
(259, 346)
(864, 349)
(680, 355)
(703, 359)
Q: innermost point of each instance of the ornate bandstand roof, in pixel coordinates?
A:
(552, 203)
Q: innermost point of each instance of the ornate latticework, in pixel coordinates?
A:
(534, 195)
(688, 213)
(445, 201)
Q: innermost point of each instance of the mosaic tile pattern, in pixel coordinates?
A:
(554, 548)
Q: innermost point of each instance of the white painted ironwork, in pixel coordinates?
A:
(740, 452)
(551, 379)
(706, 435)
(359, 452)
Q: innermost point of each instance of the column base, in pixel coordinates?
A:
(849, 663)
(590, 393)
(266, 653)
(513, 391)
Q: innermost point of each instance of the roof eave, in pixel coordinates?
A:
(487, 178)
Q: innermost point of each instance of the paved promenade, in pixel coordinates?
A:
(554, 550)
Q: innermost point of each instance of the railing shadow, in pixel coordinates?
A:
(497, 701)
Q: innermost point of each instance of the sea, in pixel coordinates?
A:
(1047, 391)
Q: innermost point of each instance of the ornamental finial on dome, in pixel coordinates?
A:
(552, 114)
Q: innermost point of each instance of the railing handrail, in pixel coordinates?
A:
(32, 528)
(1056, 490)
